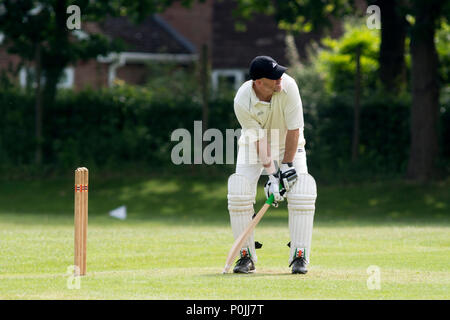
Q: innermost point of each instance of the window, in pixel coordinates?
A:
(227, 79)
(27, 78)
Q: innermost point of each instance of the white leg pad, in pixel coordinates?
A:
(301, 206)
(240, 206)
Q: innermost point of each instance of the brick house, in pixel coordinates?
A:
(179, 34)
(230, 51)
(151, 40)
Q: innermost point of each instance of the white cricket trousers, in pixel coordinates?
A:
(252, 171)
(300, 225)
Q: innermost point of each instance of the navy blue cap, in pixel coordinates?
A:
(265, 67)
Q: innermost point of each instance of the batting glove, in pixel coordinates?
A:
(272, 186)
(288, 175)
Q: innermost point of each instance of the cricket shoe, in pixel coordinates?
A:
(299, 262)
(245, 263)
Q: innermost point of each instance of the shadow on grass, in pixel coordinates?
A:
(189, 200)
(250, 275)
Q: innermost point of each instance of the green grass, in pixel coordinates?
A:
(175, 240)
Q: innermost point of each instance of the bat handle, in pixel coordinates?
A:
(270, 200)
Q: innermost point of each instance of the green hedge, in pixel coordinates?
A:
(108, 128)
(16, 128)
(96, 128)
(384, 138)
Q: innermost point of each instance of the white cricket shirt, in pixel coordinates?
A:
(284, 112)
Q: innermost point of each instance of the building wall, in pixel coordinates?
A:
(9, 63)
(235, 49)
(195, 23)
(91, 74)
(133, 73)
(209, 23)
(213, 23)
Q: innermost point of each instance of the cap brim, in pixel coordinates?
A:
(277, 72)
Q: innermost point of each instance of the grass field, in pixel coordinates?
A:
(175, 240)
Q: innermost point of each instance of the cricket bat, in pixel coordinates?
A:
(245, 234)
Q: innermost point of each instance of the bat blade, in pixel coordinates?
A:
(243, 237)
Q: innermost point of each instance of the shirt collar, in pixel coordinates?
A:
(254, 99)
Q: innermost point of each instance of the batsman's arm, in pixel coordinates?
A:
(247, 122)
(264, 154)
(291, 145)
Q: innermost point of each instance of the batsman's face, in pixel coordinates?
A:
(271, 85)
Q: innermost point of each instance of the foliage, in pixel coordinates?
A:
(129, 125)
(425, 16)
(338, 61)
(296, 15)
(102, 128)
(29, 24)
(172, 79)
(327, 90)
(39, 33)
(443, 50)
(384, 139)
(16, 127)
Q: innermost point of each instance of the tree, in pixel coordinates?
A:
(426, 17)
(425, 87)
(310, 15)
(296, 15)
(37, 31)
(392, 72)
(347, 59)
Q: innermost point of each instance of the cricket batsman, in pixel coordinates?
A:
(269, 110)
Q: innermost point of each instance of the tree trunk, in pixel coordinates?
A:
(204, 79)
(356, 115)
(38, 106)
(55, 61)
(392, 70)
(52, 77)
(425, 95)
